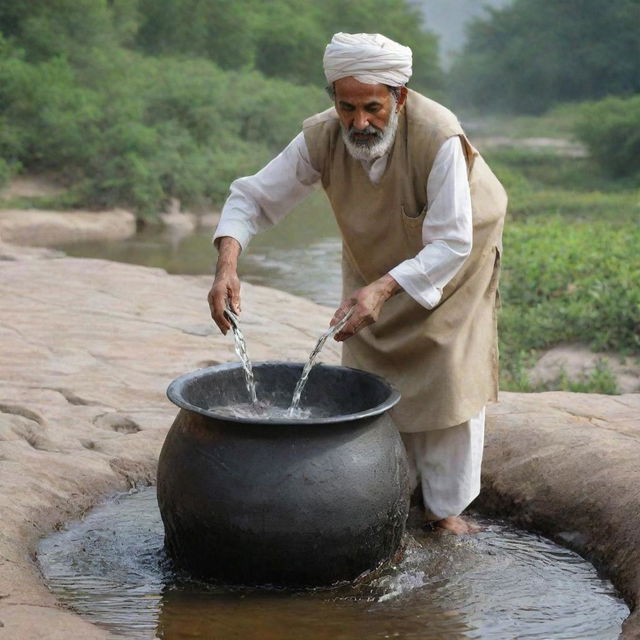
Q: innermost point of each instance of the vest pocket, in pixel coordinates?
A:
(410, 219)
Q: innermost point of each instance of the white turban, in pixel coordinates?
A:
(368, 57)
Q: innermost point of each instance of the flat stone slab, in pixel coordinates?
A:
(568, 465)
(88, 347)
(40, 228)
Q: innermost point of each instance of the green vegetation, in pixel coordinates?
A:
(571, 262)
(533, 54)
(568, 281)
(133, 102)
(610, 129)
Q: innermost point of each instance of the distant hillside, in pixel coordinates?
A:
(447, 18)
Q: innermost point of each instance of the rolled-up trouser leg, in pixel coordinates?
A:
(447, 464)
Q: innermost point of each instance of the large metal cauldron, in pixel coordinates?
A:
(290, 502)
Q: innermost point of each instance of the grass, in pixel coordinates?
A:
(556, 123)
(571, 265)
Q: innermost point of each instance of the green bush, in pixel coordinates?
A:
(131, 130)
(5, 172)
(567, 281)
(610, 129)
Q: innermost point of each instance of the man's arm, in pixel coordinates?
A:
(226, 285)
(447, 230)
(256, 203)
(447, 234)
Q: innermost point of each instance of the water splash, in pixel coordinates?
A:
(264, 410)
(240, 346)
(297, 393)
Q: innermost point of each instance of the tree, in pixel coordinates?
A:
(533, 54)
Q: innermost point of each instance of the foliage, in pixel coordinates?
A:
(533, 54)
(281, 38)
(5, 172)
(132, 102)
(541, 182)
(567, 282)
(610, 129)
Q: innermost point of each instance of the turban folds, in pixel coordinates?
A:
(368, 57)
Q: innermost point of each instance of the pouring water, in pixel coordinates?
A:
(240, 346)
(297, 393)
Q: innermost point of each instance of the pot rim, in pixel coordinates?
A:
(176, 387)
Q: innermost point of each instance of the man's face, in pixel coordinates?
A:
(368, 115)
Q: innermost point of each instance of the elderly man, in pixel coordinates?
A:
(421, 218)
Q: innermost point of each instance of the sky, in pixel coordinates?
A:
(447, 18)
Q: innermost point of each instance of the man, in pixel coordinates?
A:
(421, 219)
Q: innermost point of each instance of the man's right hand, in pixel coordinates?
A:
(226, 285)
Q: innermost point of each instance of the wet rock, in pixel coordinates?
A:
(567, 465)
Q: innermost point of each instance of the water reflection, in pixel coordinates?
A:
(301, 255)
(502, 583)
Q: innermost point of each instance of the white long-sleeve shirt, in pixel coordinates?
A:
(258, 202)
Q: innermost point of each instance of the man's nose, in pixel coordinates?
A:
(361, 120)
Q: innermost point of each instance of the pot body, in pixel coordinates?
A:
(289, 503)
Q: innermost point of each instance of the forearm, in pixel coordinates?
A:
(229, 250)
(386, 287)
(226, 285)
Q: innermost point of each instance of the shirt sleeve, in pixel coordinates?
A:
(447, 231)
(258, 202)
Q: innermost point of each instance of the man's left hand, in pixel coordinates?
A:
(366, 304)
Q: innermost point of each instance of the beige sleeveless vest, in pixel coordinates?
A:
(443, 361)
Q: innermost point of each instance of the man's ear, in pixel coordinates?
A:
(402, 99)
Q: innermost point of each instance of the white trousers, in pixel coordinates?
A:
(447, 462)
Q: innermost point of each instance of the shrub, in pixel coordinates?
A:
(568, 282)
(610, 129)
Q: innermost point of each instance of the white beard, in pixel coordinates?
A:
(377, 147)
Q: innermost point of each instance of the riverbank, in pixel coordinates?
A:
(87, 348)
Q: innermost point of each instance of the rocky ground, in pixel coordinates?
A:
(87, 348)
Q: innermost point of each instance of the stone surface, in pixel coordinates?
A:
(39, 228)
(567, 464)
(88, 347)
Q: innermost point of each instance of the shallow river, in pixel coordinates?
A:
(500, 584)
(301, 255)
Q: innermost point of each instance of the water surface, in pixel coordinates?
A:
(301, 255)
(500, 584)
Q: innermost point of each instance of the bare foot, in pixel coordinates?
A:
(456, 525)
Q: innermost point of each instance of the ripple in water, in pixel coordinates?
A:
(501, 583)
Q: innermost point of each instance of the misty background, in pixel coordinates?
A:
(449, 19)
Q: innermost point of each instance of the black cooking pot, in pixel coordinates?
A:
(286, 502)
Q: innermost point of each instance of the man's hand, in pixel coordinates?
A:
(367, 304)
(226, 285)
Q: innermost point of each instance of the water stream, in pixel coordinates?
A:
(240, 345)
(500, 584)
(297, 392)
